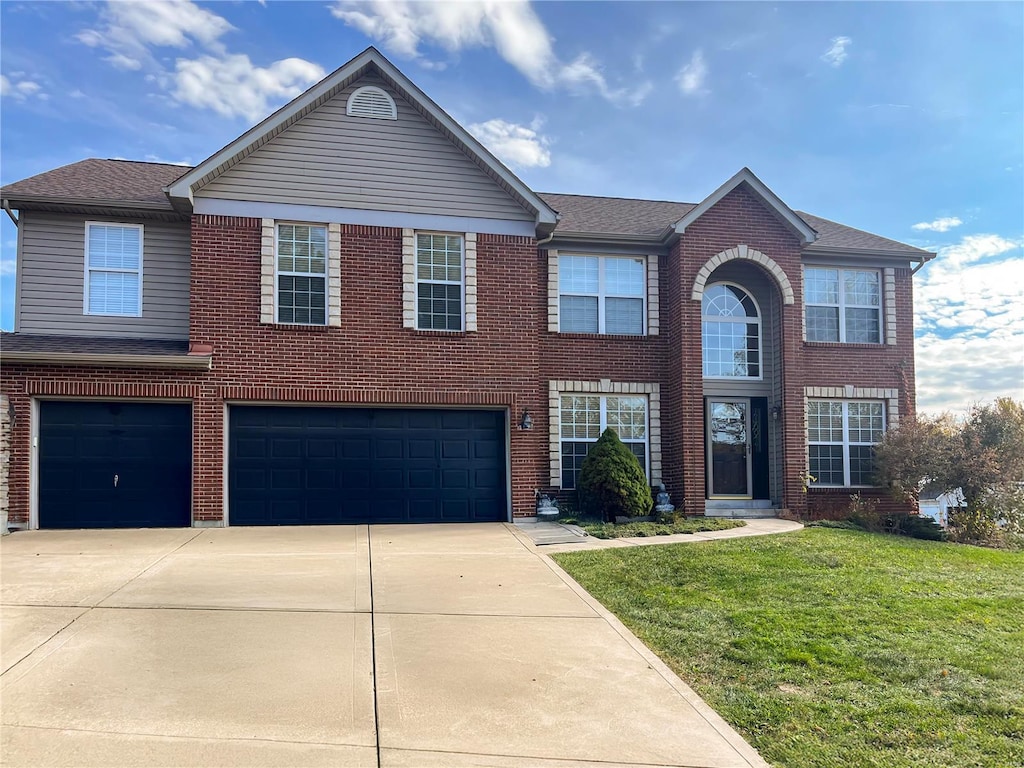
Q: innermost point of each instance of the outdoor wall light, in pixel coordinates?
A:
(526, 422)
(776, 412)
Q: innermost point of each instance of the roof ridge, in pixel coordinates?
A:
(615, 197)
(137, 162)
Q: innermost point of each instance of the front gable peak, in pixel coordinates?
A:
(371, 102)
(803, 231)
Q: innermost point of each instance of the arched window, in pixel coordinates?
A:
(731, 332)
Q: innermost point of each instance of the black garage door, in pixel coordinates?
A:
(295, 466)
(114, 465)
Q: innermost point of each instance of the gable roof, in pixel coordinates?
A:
(804, 232)
(369, 60)
(590, 217)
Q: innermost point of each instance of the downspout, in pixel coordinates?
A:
(7, 207)
(924, 261)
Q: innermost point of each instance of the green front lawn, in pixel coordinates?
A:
(602, 530)
(835, 648)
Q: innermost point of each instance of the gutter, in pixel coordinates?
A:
(196, 362)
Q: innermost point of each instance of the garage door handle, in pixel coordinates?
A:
(115, 481)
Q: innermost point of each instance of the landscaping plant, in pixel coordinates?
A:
(612, 483)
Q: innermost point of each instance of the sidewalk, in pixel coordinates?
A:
(753, 527)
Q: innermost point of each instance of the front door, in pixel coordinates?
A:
(728, 440)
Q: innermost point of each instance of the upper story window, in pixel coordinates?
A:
(301, 274)
(843, 305)
(582, 419)
(841, 438)
(731, 333)
(373, 102)
(601, 294)
(439, 282)
(113, 269)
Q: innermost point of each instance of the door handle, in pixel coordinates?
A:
(115, 481)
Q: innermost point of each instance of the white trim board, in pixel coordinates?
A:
(324, 214)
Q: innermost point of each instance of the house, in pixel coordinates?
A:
(354, 312)
(936, 502)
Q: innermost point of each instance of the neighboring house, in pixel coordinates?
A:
(354, 312)
(934, 502)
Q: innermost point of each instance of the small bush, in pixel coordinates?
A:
(612, 483)
(921, 527)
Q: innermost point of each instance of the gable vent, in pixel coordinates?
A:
(370, 101)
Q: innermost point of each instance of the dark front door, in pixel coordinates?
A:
(728, 424)
(311, 466)
(114, 465)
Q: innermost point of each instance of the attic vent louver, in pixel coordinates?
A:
(370, 101)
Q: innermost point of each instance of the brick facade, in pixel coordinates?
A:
(508, 361)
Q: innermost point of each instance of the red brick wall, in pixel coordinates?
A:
(372, 358)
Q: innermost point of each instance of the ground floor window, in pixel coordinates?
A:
(582, 419)
(841, 438)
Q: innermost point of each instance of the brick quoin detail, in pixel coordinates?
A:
(507, 363)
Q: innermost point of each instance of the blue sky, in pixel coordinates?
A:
(902, 119)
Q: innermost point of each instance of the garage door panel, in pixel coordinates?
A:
(368, 465)
(84, 445)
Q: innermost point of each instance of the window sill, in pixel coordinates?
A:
(301, 327)
(617, 336)
(846, 345)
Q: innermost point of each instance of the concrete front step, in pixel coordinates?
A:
(742, 512)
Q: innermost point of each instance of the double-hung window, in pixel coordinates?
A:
(601, 294)
(113, 269)
(439, 282)
(843, 305)
(584, 417)
(841, 438)
(301, 274)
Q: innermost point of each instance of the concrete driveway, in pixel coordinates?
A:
(453, 645)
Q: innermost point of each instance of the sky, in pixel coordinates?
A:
(906, 120)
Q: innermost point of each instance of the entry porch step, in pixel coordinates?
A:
(740, 508)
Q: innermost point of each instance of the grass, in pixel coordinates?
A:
(602, 530)
(836, 648)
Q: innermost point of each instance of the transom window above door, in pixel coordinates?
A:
(731, 333)
(601, 294)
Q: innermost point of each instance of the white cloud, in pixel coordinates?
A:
(8, 266)
(943, 224)
(130, 29)
(20, 89)
(232, 86)
(969, 307)
(692, 76)
(511, 28)
(836, 54)
(517, 145)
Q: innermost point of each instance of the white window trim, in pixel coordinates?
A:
(326, 274)
(88, 269)
(464, 237)
(842, 305)
(743, 320)
(604, 387)
(602, 295)
(846, 442)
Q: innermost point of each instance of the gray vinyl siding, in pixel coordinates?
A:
(330, 159)
(51, 280)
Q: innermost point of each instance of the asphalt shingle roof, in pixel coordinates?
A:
(89, 345)
(130, 182)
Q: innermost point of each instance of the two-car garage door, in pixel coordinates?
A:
(294, 466)
(129, 464)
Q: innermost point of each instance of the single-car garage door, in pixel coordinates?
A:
(114, 465)
(309, 466)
